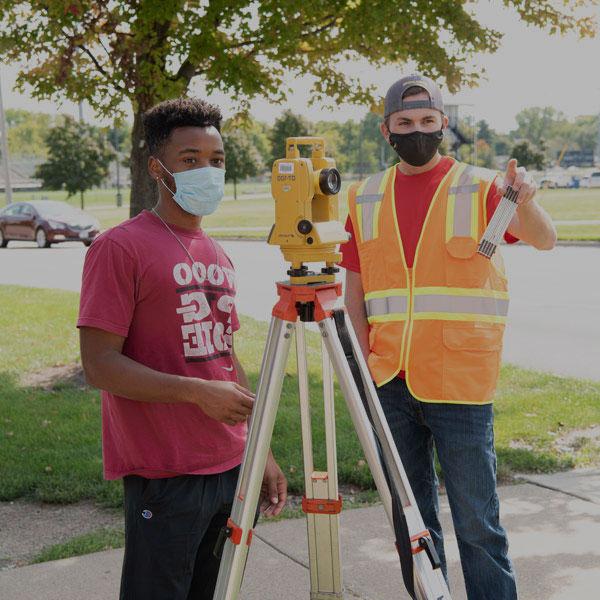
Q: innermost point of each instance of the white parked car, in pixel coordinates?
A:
(584, 182)
(595, 180)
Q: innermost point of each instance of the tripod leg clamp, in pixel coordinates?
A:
(424, 542)
(321, 506)
(234, 533)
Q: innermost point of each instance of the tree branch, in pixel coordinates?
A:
(187, 70)
(100, 68)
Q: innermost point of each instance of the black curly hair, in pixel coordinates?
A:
(161, 119)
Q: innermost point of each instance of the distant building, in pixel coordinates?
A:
(22, 175)
(577, 158)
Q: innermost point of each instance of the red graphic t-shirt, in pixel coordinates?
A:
(177, 317)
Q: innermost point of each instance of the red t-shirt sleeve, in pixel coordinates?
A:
(493, 199)
(108, 288)
(349, 250)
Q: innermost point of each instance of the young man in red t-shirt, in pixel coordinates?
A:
(461, 433)
(157, 322)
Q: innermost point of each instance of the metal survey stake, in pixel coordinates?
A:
(499, 223)
(307, 230)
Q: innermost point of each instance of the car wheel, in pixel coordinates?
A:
(3, 240)
(87, 243)
(41, 239)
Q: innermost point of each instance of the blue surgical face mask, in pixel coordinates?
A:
(199, 191)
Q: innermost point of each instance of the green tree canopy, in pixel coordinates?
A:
(258, 133)
(528, 156)
(557, 133)
(242, 159)
(27, 132)
(78, 158)
(537, 123)
(285, 126)
(140, 52)
(485, 132)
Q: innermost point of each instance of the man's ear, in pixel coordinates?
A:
(154, 168)
(445, 122)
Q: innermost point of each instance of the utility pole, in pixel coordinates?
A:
(475, 133)
(119, 195)
(597, 157)
(360, 150)
(4, 134)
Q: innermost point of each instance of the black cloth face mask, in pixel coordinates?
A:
(416, 148)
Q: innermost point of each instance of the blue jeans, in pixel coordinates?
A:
(463, 436)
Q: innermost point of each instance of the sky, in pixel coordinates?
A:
(531, 68)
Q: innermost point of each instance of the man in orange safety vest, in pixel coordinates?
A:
(430, 312)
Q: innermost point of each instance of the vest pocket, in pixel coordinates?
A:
(471, 270)
(372, 265)
(471, 361)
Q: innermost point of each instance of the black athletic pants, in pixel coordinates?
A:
(171, 527)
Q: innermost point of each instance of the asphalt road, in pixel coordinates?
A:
(554, 318)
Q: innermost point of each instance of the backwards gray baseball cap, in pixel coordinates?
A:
(394, 101)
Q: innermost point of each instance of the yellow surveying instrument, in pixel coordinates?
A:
(307, 230)
(307, 227)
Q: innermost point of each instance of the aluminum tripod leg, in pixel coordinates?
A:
(429, 582)
(247, 493)
(321, 486)
(375, 438)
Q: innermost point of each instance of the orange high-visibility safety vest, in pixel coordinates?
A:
(442, 321)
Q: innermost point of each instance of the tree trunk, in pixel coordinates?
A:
(144, 193)
(234, 187)
(81, 197)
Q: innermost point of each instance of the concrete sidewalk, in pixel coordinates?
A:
(554, 530)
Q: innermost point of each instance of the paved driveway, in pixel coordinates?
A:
(554, 321)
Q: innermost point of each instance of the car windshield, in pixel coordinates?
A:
(53, 208)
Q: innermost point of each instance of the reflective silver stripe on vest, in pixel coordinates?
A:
(469, 188)
(377, 307)
(462, 204)
(371, 192)
(476, 305)
(367, 200)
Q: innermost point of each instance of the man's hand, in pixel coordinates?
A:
(273, 493)
(531, 223)
(521, 181)
(225, 401)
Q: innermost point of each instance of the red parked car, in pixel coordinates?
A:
(46, 222)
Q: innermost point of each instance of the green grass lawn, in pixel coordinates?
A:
(108, 197)
(571, 205)
(578, 232)
(91, 197)
(50, 438)
(95, 541)
(38, 329)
